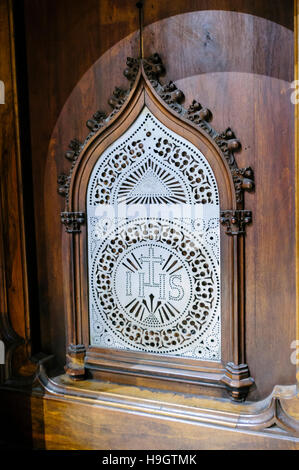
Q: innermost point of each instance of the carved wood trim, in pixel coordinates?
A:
(234, 374)
(99, 120)
(201, 116)
(235, 221)
(73, 221)
(198, 114)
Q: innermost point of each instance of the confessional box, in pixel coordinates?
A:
(148, 261)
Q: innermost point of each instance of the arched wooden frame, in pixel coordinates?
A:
(184, 374)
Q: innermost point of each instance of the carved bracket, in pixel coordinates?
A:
(73, 221)
(235, 221)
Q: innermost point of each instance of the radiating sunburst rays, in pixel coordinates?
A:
(152, 312)
(151, 184)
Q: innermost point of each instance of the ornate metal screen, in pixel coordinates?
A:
(153, 245)
(142, 216)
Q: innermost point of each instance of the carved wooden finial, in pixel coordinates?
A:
(154, 68)
(63, 184)
(74, 149)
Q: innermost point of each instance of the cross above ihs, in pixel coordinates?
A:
(151, 260)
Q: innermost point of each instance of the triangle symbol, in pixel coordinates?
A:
(150, 185)
(151, 321)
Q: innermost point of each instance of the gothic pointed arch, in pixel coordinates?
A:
(151, 273)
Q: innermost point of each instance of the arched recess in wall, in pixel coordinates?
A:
(72, 123)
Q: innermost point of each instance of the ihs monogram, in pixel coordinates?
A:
(155, 281)
(158, 285)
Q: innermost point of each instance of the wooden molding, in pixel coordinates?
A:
(277, 414)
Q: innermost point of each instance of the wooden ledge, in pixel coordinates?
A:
(278, 414)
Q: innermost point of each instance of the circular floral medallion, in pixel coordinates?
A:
(155, 285)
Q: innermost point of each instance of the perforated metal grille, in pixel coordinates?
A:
(153, 245)
(130, 168)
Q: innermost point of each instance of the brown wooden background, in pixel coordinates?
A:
(236, 57)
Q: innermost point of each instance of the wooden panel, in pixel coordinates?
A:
(62, 46)
(119, 430)
(244, 81)
(248, 90)
(57, 424)
(270, 239)
(13, 285)
(206, 42)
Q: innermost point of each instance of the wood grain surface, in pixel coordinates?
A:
(235, 57)
(14, 301)
(238, 63)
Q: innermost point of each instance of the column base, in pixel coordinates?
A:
(237, 381)
(75, 362)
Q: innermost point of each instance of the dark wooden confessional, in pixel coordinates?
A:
(148, 278)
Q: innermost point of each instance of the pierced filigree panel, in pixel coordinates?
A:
(130, 168)
(153, 246)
